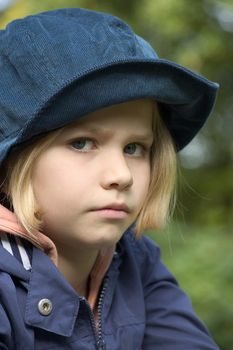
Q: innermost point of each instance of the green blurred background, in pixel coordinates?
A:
(198, 244)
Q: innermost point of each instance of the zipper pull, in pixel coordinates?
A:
(101, 345)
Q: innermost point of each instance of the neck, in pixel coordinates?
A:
(76, 266)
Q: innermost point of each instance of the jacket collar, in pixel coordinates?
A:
(12, 266)
(9, 223)
(46, 282)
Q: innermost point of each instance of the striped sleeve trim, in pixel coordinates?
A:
(18, 248)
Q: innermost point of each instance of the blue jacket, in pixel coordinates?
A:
(140, 306)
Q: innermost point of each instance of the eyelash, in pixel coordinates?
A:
(145, 149)
(81, 139)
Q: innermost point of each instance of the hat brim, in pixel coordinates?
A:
(186, 99)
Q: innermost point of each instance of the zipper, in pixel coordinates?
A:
(100, 343)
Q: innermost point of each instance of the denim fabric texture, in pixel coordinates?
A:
(59, 65)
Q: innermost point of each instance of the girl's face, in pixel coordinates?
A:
(91, 182)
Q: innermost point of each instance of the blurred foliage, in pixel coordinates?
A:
(202, 262)
(205, 197)
(199, 35)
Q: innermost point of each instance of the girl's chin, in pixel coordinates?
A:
(97, 242)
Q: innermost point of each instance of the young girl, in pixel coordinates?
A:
(91, 120)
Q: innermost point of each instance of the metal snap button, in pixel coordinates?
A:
(45, 307)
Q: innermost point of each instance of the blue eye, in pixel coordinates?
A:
(134, 149)
(82, 144)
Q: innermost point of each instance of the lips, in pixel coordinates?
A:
(114, 206)
(112, 211)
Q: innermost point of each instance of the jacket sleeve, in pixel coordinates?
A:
(171, 323)
(5, 331)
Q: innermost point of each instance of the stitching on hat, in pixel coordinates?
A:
(44, 60)
(10, 135)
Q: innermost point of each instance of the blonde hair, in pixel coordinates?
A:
(159, 203)
(161, 197)
(17, 185)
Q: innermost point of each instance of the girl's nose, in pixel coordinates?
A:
(116, 173)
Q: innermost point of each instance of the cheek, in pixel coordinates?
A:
(57, 184)
(49, 180)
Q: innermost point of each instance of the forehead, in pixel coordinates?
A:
(134, 114)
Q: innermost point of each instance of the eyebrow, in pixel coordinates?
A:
(146, 136)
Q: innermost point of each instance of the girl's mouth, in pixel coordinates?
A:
(113, 211)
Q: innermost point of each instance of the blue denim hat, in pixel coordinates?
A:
(59, 65)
